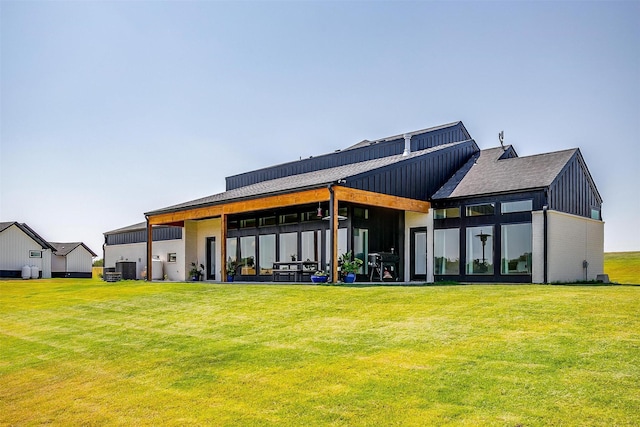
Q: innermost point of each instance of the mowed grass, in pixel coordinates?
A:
(83, 352)
(623, 267)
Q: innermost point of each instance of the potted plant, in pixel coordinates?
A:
(231, 268)
(320, 276)
(196, 273)
(349, 266)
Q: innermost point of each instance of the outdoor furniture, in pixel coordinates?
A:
(384, 266)
(293, 271)
(112, 276)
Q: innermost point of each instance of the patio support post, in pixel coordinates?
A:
(149, 251)
(333, 208)
(223, 247)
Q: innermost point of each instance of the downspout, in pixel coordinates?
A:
(104, 257)
(149, 250)
(545, 244)
(332, 237)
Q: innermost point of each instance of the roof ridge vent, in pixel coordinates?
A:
(407, 145)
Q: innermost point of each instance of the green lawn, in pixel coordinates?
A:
(623, 267)
(83, 352)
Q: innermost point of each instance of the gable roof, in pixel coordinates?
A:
(63, 249)
(28, 231)
(488, 172)
(304, 181)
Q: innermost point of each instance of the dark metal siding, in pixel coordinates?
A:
(573, 191)
(417, 178)
(159, 234)
(377, 150)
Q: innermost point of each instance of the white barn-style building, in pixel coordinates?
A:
(73, 260)
(21, 246)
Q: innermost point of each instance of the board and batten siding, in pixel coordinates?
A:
(14, 252)
(415, 178)
(377, 150)
(574, 191)
(573, 239)
(79, 260)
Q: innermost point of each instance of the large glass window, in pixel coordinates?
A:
(480, 250)
(361, 248)
(516, 249)
(288, 247)
(267, 253)
(342, 244)
(267, 221)
(482, 209)
(248, 255)
(519, 206)
(232, 249)
(311, 245)
(446, 213)
(446, 251)
(290, 218)
(247, 223)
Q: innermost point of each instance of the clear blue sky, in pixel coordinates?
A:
(110, 109)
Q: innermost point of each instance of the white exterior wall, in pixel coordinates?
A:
(58, 264)
(14, 252)
(79, 260)
(537, 243)
(191, 246)
(414, 220)
(572, 240)
(209, 228)
(137, 252)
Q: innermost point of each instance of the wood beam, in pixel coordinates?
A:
(269, 202)
(346, 194)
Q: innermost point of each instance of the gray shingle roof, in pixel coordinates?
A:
(303, 181)
(486, 173)
(63, 249)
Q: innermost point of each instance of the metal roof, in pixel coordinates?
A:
(303, 181)
(486, 173)
(135, 227)
(367, 142)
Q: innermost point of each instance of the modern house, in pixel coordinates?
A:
(427, 205)
(125, 251)
(73, 260)
(20, 246)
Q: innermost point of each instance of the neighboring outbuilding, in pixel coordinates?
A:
(427, 206)
(125, 251)
(21, 246)
(73, 260)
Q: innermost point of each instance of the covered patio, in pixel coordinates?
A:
(323, 222)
